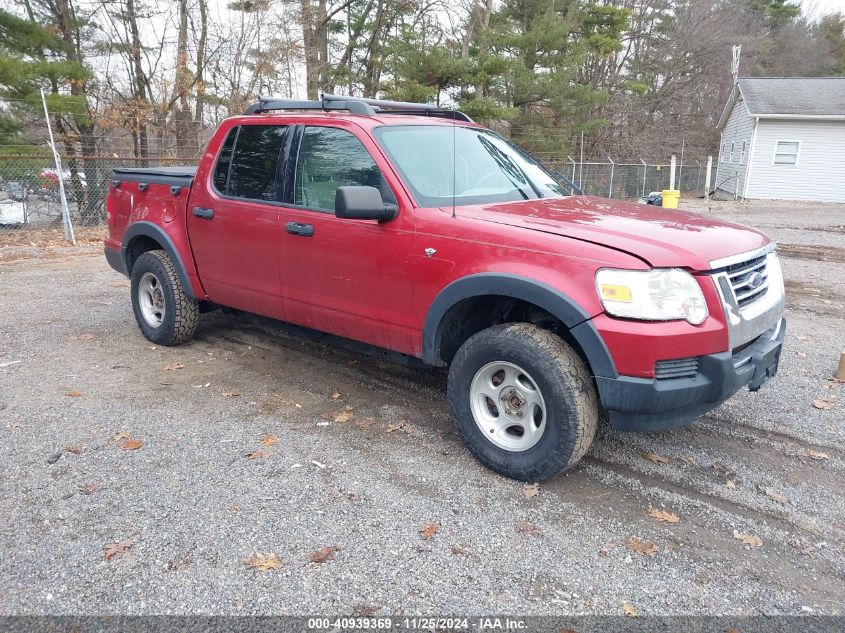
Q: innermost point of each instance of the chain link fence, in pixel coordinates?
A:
(631, 180)
(29, 188)
(29, 185)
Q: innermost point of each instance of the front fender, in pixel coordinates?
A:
(553, 301)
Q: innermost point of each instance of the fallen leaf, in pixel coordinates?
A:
(523, 527)
(231, 394)
(629, 610)
(14, 424)
(645, 548)
(815, 454)
(366, 423)
(323, 554)
(116, 549)
(457, 550)
(772, 493)
(263, 562)
(721, 466)
(655, 458)
(179, 565)
(84, 337)
(336, 396)
(174, 366)
(363, 611)
(531, 490)
(131, 444)
(398, 426)
(429, 531)
(801, 337)
(256, 455)
(269, 440)
(730, 484)
(824, 403)
(662, 515)
(88, 489)
(343, 416)
(287, 401)
(234, 507)
(750, 540)
(73, 394)
(121, 435)
(73, 449)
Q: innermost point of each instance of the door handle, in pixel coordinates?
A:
(205, 214)
(299, 228)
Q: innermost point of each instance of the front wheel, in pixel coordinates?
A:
(165, 313)
(523, 401)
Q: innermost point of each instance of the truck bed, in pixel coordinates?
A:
(180, 175)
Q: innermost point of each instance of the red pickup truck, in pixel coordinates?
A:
(413, 229)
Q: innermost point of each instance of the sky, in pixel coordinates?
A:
(817, 8)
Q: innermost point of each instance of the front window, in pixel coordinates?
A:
(468, 165)
(330, 158)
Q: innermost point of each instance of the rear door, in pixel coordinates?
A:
(233, 220)
(347, 277)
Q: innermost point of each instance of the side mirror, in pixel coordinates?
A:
(362, 203)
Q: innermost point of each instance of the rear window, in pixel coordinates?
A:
(254, 163)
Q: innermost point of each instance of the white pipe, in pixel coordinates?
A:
(707, 178)
(672, 165)
(68, 227)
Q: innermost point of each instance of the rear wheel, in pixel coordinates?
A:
(523, 401)
(163, 310)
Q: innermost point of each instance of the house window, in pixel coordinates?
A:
(786, 152)
(724, 152)
(731, 159)
(742, 152)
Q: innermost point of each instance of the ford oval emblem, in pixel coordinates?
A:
(755, 280)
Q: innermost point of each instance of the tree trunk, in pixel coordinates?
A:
(309, 44)
(140, 88)
(200, 83)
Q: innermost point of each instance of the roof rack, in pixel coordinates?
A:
(355, 105)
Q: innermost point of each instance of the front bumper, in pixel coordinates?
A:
(649, 405)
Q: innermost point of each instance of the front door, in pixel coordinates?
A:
(346, 277)
(233, 222)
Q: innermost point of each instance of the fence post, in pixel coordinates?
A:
(612, 167)
(572, 191)
(60, 175)
(645, 168)
(672, 162)
(707, 178)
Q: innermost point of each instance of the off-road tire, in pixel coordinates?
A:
(181, 312)
(572, 410)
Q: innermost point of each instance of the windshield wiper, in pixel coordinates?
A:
(509, 168)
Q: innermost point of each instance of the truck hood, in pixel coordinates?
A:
(660, 237)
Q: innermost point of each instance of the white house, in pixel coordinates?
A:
(783, 138)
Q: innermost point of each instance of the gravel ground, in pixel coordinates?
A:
(360, 455)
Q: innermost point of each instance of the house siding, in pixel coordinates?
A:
(739, 128)
(820, 171)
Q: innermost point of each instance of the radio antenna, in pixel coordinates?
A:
(454, 166)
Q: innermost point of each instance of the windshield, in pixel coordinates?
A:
(474, 165)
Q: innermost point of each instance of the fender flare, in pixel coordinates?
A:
(572, 315)
(148, 229)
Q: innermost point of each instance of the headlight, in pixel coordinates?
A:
(652, 295)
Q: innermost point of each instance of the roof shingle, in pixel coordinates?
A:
(809, 96)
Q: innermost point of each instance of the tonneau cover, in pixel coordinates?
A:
(182, 175)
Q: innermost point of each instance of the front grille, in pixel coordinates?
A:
(741, 275)
(678, 368)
